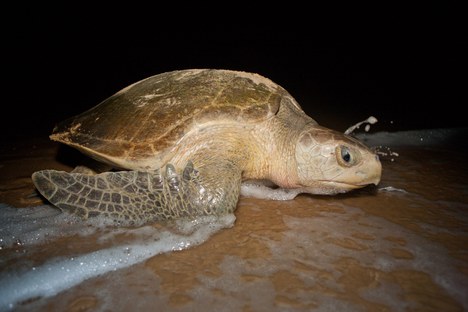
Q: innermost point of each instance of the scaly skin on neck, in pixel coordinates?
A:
(275, 156)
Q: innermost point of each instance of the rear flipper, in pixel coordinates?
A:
(132, 197)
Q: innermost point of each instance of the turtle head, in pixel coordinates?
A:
(330, 162)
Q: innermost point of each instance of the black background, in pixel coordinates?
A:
(403, 65)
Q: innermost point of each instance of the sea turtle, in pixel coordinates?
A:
(185, 140)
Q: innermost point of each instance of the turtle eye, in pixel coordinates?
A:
(346, 156)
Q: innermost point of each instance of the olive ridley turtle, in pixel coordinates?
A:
(181, 143)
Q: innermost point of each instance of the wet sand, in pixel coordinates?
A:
(402, 246)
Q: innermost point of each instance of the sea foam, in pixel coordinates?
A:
(34, 226)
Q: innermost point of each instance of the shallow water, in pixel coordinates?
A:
(402, 246)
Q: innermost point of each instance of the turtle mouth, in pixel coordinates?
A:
(324, 187)
(342, 185)
(360, 183)
(336, 187)
(351, 185)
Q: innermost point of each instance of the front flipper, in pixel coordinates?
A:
(136, 197)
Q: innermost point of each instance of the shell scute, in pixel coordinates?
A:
(150, 116)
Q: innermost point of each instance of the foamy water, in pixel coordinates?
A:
(401, 246)
(27, 227)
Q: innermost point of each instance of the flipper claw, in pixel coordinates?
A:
(188, 171)
(172, 177)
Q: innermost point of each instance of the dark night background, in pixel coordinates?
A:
(403, 65)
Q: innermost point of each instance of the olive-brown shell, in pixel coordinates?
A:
(151, 115)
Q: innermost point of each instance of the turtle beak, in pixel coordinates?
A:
(372, 172)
